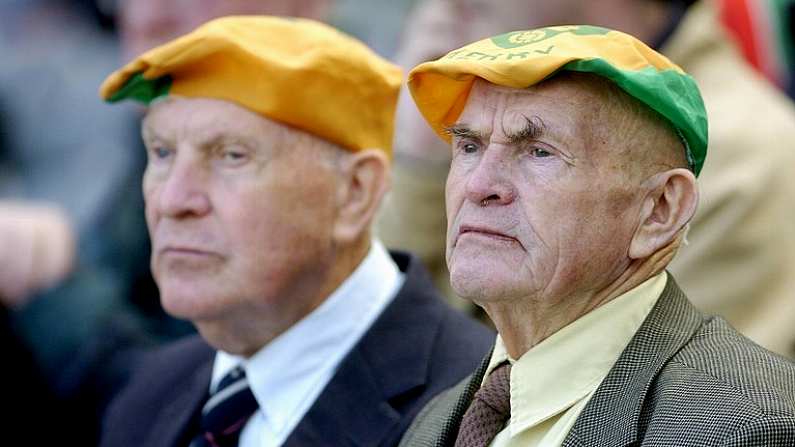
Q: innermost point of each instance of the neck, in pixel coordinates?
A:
(246, 332)
(524, 323)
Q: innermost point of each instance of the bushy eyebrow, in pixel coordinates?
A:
(532, 130)
(463, 131)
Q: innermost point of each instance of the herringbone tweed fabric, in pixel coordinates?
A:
(683, 380)
(489, 411)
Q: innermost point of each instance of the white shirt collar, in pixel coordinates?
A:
(288, 374)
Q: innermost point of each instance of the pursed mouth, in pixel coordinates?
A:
(185, 251)
(485, 232)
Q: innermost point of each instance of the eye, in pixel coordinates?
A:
(161, 152)
(540, 152)
(469, 147)
(232, 154)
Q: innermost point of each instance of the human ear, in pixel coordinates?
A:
(363, 183)
(668, 206)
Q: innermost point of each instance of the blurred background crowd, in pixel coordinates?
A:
(74, 271)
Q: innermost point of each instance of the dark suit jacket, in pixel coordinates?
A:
(683, 380)
(416, 348)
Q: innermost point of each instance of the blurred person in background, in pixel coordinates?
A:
(144, 24)
(72, 240)
(69, 167)
(740, 262)
(259, 203)
(38, 250)
(765, 33)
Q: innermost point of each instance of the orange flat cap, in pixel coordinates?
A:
(296, 71)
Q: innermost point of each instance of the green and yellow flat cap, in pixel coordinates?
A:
(296, 71)
(520, 59)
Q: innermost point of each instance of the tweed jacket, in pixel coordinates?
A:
(683, 380)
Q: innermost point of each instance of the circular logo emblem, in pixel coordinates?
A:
(527, 37)
(521, 38)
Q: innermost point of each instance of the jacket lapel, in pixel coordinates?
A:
(352, 411)
(177, 417)
(361, 404)
(465, 392)
(437, 424)
(611, 418)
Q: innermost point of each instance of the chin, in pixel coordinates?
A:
(480, 285)
(218, 336)
(470, 285)
(190, 306)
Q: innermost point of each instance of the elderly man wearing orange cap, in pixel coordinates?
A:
(268, 143)
(575, 151)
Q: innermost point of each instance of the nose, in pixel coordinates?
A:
(489, 183)
(183, 191)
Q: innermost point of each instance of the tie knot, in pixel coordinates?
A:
(496, 391)
(234, 375)
(226, 411)
(489, 410)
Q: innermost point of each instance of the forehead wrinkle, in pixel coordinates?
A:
(590, 124)
(205, 120)
(546, 105)
(635, 140)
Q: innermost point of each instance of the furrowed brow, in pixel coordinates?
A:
(533, 129)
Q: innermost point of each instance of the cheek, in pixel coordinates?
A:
(454, 197)
(594, 231)
(280, 220)
(620, 202)
(150, 193)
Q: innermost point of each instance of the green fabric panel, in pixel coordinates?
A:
(143, 90)
(673, 95)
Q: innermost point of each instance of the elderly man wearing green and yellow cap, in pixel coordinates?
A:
(575, 151)
(268, 143)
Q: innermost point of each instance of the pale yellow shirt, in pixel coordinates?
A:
(552, 382)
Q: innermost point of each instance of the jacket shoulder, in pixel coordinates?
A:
(418, 347)
(173, 372)
(729, 388)
(437, 417)
(719, 353)
(457, 342)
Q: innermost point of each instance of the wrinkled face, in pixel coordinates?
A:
(239, 210)
(537, 202)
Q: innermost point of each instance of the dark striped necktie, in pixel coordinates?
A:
(226, 411)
